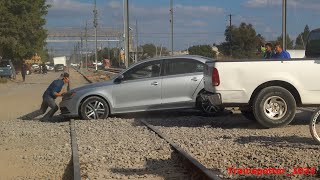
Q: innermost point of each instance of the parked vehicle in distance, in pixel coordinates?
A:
(155, 84)
(99, 63)
(7, 69)
(74, 64)
(58, 67)
(60, 60)
(50, 67)
(267, 90)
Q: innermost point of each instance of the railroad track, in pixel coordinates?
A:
(196, 169)
(75, 154)
(114, 70)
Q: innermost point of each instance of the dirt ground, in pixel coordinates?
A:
(32, 149)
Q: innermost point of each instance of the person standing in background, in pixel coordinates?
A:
(23, 70)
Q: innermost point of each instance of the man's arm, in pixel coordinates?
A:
(58, 94)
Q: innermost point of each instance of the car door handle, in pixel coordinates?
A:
(154, 83)
(194, 79)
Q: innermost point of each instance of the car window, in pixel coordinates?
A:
(143, 71)
(183, 66)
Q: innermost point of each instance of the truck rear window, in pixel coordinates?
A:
(313, 45)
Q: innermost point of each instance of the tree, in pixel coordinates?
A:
(289, 41)
(150, 51)
(241, 42)
(202, 50)
(21, 28)
(302, 38)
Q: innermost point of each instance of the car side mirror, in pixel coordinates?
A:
(119, 79)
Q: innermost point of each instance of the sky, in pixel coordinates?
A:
(195, 21)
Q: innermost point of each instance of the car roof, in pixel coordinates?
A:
(195, 57)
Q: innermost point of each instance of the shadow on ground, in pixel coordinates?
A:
(68, 172)
(279, 141)
(171, 168)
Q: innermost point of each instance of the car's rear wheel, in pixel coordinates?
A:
(94, 108)
(205, 106)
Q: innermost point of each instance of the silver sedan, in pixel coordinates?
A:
(155, 84)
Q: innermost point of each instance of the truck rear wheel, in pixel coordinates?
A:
(274, 107)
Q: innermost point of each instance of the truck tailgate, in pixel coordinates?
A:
(208, 76)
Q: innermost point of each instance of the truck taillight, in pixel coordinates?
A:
(215, 77)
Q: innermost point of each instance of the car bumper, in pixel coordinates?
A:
(68, 108)
(215, 99)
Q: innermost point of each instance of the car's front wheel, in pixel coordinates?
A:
(94, 108)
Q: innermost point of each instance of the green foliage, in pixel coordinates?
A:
(302, 38)
(202, 50)
(289, 41)
(150, 51)
(21, 28)
(241, 42)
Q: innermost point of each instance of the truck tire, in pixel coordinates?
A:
(274, 107)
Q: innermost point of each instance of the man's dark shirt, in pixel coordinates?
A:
(55, 87)
(268, 55)
(23, 69)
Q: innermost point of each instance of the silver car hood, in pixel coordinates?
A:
(94, 85)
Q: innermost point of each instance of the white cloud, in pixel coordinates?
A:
(199, 9)
(261, 3)
(115, 4)
(310, 4)
(68, 5)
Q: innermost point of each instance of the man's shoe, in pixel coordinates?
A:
(44, 119)
(25, 118)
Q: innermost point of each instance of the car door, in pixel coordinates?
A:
(181, 78)
(140, 88)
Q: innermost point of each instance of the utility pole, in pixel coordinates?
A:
(86, 34)
(95, 24)
(171, 21)
(126, 32)
(137, 42)
(81, 47)
(109, 50)
(284, 24)
(161, 50)
(230, 31)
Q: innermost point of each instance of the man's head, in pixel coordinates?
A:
(268, 47)
(65, 77)
(278, 47)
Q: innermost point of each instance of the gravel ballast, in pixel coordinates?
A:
(123, 148)
(233, 141)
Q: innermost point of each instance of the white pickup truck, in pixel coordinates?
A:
(267, 90)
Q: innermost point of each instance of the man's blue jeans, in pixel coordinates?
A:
(47, 102)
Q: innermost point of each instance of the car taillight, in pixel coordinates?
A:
(215, 77)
